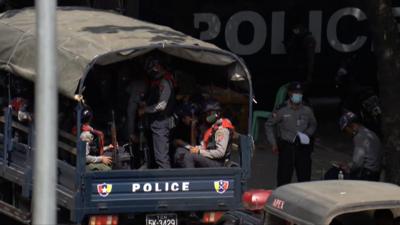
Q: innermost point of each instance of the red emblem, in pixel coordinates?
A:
(221, 186)
(104, 189)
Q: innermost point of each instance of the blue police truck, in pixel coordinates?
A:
(92, 47)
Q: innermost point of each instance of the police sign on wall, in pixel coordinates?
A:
(256, 31)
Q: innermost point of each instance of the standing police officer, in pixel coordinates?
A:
(289, 130)
(367, 156)
(159, 106)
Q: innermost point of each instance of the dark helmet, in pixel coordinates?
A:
(86, 115)
(150, 66)
(187, 109)
(211, 105)
(346, 119)
(295, 86)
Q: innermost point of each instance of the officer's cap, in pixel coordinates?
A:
(295, 86)
(187, 109)
(211, 105)
(346, 119)
(87, 115)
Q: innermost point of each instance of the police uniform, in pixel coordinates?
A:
(283, 130)
(367, 155)
(160, 104)
(93, 158)
(214, 149)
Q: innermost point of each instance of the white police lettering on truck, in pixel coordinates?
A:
(161, 187)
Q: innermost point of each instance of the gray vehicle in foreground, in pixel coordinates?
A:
(334, 202)
(89, 41)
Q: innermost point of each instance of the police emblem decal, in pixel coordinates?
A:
(221, 186)
(104, 189)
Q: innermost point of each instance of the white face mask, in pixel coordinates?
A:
(296, 98)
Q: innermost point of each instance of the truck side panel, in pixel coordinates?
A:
(162, 190)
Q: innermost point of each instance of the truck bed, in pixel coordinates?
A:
(132, 191)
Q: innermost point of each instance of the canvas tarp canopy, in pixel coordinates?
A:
(87, 36)
(318, 202)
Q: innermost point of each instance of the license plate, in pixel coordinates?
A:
(162, 219)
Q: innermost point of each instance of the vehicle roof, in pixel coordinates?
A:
(319, 202)
(87, 36)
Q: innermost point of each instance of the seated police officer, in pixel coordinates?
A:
(95, 161)
(86, 120)
(214, 148)
(367, 155)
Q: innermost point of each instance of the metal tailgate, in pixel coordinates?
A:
(161, 190)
